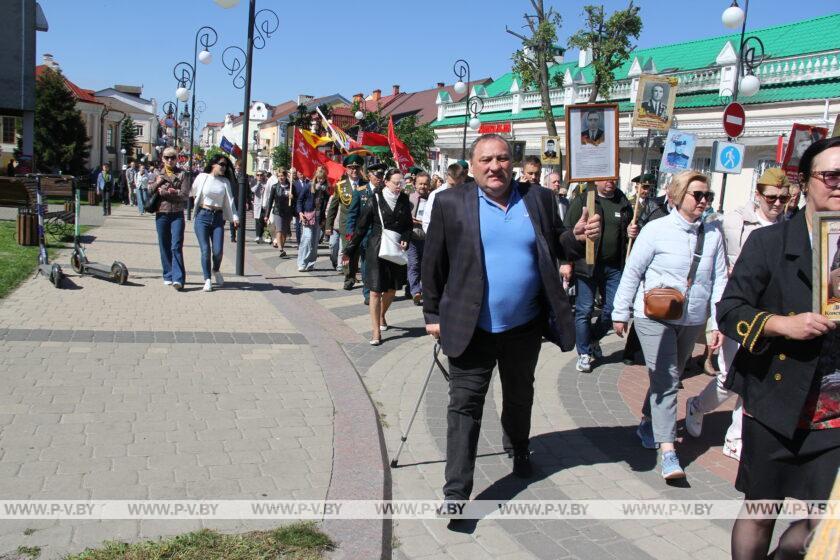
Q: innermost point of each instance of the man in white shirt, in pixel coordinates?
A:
(455, 175)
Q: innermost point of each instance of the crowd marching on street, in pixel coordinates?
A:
(498, 264)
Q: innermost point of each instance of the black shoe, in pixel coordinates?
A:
(282, 254)
(522, 467)
(349, 283)
(367, 301)
(628, 361)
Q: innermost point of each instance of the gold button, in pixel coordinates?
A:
(782, 357)
(791, 313)
(778, 377)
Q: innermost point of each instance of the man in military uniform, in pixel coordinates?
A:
(363, 193)
(340, 203)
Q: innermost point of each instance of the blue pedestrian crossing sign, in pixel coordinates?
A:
(728, 157)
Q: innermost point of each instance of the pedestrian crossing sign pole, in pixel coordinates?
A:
(728, 157)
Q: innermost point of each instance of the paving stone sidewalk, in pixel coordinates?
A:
(138, 391)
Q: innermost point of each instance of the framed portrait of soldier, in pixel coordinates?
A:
(826, 262)
(591, 142)
(517, 151)
(801, 138)
(655, 101)
(550, 153)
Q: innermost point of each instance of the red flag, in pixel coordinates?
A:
(372, 139)
(306, 159)
(398, 148)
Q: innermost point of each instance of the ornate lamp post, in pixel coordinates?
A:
(206, 37)
(237, 61)
(171, 111)
(472, 105)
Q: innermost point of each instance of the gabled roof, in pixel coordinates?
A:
(214, 124)
(81, 94)
(424, 103)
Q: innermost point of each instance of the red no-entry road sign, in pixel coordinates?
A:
(734, 119)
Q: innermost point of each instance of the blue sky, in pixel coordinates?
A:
(329, 46)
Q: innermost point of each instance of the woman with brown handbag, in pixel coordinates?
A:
(676, 269)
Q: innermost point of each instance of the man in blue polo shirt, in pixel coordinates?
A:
(491, 291)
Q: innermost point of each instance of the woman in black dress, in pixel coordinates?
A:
(788, 368)
(389, 206)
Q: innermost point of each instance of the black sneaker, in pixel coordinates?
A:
(349, 283)
(522, 467)
(282, 254)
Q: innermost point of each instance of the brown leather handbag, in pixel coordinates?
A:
(668, 304)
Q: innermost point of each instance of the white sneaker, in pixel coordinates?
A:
(584, 363)
(693, 418)
(167, 282)
(258, 240)
(217, 276)
(208, 286)
(177, 285)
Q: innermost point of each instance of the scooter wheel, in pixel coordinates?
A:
(56, 275)
(119, 272)
(76, 262)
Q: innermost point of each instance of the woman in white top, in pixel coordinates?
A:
(213, 205)
(772, 193)
(662, 257)
(142, 184)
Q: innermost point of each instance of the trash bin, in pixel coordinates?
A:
(93, 200)
(27, 228)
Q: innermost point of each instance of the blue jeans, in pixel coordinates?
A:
(210, 231)
(605, 279)
(140, 193)
(415, 257)
(308, 247)
(170, 230)
(335, 247)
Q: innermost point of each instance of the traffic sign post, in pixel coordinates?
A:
(728, 157)
(734, 120)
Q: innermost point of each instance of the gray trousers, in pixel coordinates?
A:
(666, 348)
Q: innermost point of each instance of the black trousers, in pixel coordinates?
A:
(106, 202)
(259, 225)
(516, 352)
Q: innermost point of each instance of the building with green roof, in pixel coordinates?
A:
(800, 83)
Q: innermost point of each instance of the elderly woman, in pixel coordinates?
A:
(767, 207)
(173, 189)
(682, 253)
(213, 195)
(388, 209)
(788, 368)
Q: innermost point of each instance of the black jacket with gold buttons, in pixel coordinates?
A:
(772, 276)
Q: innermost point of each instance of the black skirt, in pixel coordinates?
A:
(773, 467)
(382, 275)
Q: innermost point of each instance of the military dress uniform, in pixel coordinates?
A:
(361, 194)
(339, 204)
(791, 440)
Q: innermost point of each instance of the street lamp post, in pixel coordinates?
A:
(265, 22)
(462, 69)
(750, 57)
(207, 37)
(171, 111)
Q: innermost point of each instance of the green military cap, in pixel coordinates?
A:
(414, 170)
(353, 159)
(463, 164)
(774, 177)
(644, 179)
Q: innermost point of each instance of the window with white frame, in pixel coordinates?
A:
(9, 130)
(138, 130)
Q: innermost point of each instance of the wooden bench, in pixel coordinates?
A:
(20, 193)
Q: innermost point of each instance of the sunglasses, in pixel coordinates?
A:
(773, 198)
(379, 174)
(830, 178)
(169, 157)
(700, 195)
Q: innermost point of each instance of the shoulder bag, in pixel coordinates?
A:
(389, 246)
(668, 304)
(153, 202)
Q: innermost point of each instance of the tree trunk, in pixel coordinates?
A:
(545, 98)
(593, 95)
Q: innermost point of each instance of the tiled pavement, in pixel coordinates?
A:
(583, 424)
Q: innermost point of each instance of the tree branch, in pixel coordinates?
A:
(515, 34)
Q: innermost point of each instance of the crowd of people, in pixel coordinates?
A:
(499, 264)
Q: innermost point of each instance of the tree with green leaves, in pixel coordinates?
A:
(531, 62)
(301, 118)
(61, 141)
(610, 42)
(281, 156)
(128, 137)
(417, 137)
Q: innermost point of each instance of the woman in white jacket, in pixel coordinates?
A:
(662, 257)
(213, 205)
(772, 193)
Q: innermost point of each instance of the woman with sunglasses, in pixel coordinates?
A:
(772, 193)
(173, 190)
(213, 193)
(311, 207)
(681, 252)
(788, 368)
(279, 208)
(388, 209)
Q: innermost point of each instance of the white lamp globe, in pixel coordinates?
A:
(122, 151)
(460, 87)
(182, 94)
(732, 17)
(227, 3)
(749, 85)
(205, 57)
(475, 124)
(359, 115)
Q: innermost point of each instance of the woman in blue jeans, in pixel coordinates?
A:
(662, 258)
(173, 189)
(213, 195)
(311, 207)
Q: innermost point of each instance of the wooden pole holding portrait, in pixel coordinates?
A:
(591, 150)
